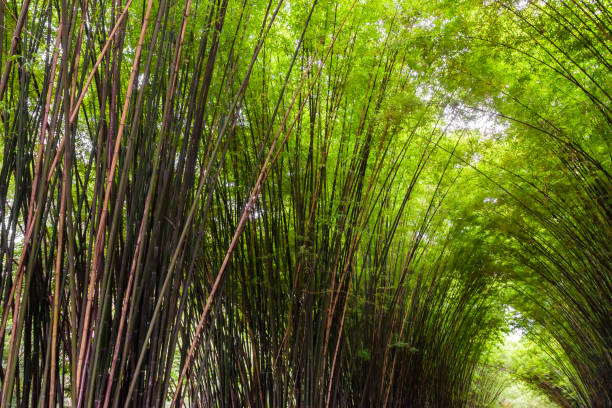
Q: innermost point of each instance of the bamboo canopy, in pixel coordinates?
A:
(278, 203)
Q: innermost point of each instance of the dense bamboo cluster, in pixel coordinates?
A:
(230, 203)
(565, 234)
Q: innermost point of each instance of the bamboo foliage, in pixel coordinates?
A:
(232, 203)
(562, 234)
(572, 258)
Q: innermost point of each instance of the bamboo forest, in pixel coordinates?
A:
(306, 203)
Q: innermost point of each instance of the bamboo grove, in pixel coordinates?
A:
(303, 203)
